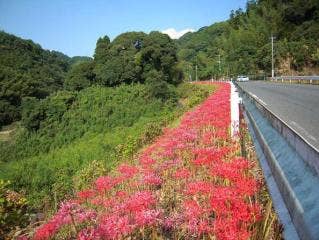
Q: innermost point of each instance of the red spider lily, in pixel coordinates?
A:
(246, 186)
(192, 210)
(114, 226)
(226, 170)
(146, 160)
(228, 229)
(139, 201)
(85, 194)
(210, 199)
(182, 173)
(199, 187)
(67, 213)
(105, 183)
(47, 230)
(241, 163)
(151, 179)
(121, 194)
(147, 218)
(206, 156)
(89, 234)
(128, 171)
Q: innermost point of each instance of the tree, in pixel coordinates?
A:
(80, 76)
(101, 50)
(156, 86)
(122, 62)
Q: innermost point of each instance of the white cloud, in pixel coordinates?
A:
(176, 34)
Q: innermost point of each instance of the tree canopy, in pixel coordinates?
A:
(132, 56)
(27, 70)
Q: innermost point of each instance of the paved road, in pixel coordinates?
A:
(296, 104)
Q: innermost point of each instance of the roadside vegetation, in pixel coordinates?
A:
(98, 130)
(192, 182)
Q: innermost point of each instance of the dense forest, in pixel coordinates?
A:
(27, 70)
(242, 45)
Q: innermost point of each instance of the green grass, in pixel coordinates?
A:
(103, 127)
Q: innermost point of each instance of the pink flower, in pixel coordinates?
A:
(151, 179)
(85, 194)
(191, 209)
(128, 171)
(147, 217)
(147, 161)
(114, 226)
(104, 183)
(120, 194)
(89, 234)
(46, 231)
(182, 173)
(22, 238)
(199, 187)
(139, 201)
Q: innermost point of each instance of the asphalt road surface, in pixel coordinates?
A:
(296, 104)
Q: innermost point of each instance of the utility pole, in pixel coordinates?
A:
(272, 58)
(219, 62)
(196, 73)
(189, 73)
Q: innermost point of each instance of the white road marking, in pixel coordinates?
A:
(302, 130)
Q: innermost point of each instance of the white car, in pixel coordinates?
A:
(242, 78)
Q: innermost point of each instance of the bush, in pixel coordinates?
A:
(80, 76)
(103, 124)
(8, 113)
(157, 87)
(35, 111)
(32, 114)
(13, 209)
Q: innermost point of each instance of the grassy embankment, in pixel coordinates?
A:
(101, 127)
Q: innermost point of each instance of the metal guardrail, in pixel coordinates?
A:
(305, 149)
(296, 79)
(295, 197)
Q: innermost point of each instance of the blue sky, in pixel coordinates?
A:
(73, 26)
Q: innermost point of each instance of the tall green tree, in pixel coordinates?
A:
(130, 56)
(80, 76)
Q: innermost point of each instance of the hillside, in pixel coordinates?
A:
(242, 43)
(83, 136)
(91, 115)
(26, 70)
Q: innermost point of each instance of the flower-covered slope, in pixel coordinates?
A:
(191, 183)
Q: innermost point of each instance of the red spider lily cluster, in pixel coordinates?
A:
(189, 184)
